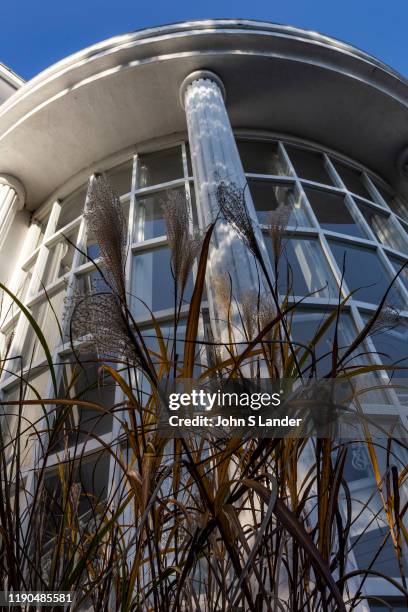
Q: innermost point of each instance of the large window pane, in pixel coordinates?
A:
(149, 216)
(261, 158)
(152, 282)
(72, 207)
(365, 273)
(303, 269)
(160, 167)
(121, 177)
(391, 344)
(48, 316)
(269, 197)
(309, 165)
(397, 265)
(370, 551)
(353, 180)
(84, 382)
(397, 205)
(383, 227)
(332, 213)
(59, 259)
(89, 478)
(305, 326)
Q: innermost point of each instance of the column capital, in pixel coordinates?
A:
(14, 183)
(198, 75)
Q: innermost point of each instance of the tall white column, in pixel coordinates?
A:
(215, 159)
(12, 199)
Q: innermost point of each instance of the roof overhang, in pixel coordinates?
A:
(125, 90)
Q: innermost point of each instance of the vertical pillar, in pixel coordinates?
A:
(12, 199)
(215, 159)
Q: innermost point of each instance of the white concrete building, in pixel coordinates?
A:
(309, 122)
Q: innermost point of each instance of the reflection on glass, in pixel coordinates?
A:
(370, 551)
(152, 282)
(397, 205)
(59, 259)
(365, 273)
(121, 177)
(72, 207)
(309, 165)
(48, 315)
(91, 283)
(383, 227)
(302, 269)
(85, 383)
(278, 198)
(159, 167)
(352, 179)
(262, 158)
(332, 213)
(149, 216)
(391, 343)
(357, 465)
(91, 476)
(397, 265)
(305, 326)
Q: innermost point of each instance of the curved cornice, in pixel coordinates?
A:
(223, 26)
(125, 89)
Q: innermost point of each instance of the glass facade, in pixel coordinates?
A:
(342, 232)
(335, 220)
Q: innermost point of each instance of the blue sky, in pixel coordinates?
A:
(35, 34)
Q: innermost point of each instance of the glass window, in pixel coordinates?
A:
(368, 544)
(72, 207)
(389, 605)
(269, 197)
(8, 412)
(121, 177)
(59, 259)
(189, 163)
(332, 213)
(92, 247)
(365, 274)
(149, 216)
(397, 205)
(309, 165)
(383, 227)
(152, 282)
(92, 282)
(391, 343)
(397, 264)
(90, 477)
(352, 179)
(305, 326)
(261, 158)
(85, 382)
(23, 288)
(159, 167)
(48, 315)
(303, 269)
(357, 465)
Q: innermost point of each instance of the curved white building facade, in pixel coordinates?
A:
(311, 124)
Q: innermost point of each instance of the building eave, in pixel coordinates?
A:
(124, 90)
